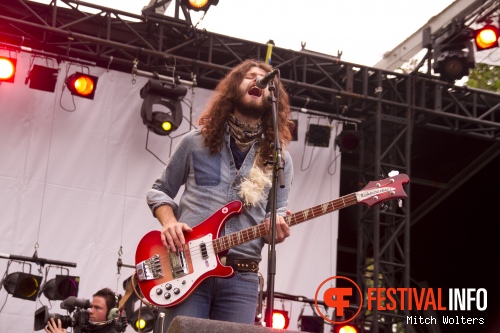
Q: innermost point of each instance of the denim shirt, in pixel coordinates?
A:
(210, 182)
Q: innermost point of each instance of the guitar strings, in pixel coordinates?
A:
(225, 242)
(235, 238)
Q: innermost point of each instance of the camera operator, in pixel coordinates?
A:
(103, 315)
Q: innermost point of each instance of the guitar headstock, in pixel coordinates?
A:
(381, 190)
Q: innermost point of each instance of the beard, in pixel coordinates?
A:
(253, 109)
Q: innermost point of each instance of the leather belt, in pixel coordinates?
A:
(241, 265)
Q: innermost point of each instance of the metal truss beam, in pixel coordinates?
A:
(411, 46)
(388, 107)
(171, 47)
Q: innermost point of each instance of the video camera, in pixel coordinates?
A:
(79, 319)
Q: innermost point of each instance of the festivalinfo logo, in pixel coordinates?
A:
(390, 299)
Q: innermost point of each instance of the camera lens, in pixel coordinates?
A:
(42, 317)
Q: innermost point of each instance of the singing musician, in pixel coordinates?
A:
(225, 159)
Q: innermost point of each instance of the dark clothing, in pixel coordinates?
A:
(96, 328)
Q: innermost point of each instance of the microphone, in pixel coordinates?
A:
(263, 81)
(71, 302)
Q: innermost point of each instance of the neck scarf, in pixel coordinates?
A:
(244, 135)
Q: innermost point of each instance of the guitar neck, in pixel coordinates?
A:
(224, 243)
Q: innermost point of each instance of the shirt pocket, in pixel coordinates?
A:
(206, 168)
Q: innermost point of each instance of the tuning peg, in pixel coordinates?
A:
(400, 203)
(384, 207)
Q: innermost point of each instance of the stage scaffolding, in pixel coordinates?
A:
(387, 108)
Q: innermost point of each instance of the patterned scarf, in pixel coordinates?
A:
(244, 135)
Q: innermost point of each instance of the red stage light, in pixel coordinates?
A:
(346, 328)
(7, 69)
(199, 5)
(82, 85)
(486, 37)
(280, 319)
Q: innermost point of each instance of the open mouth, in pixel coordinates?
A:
(254, 91)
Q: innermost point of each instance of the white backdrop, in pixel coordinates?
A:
(73, 178)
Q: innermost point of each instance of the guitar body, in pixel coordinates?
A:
(166, 278)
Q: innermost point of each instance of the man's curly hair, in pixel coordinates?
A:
(213, 119)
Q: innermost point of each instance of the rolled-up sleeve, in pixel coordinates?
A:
(172, 177)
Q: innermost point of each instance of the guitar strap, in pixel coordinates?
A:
(131, 288)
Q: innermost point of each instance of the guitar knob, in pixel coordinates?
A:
(168, 286)
(158, 291)
(167, 295)
(177, 291)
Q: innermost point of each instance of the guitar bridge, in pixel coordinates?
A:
(149, 269)
(178, 263)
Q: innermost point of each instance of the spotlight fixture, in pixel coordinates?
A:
(311, 324)
(42, 78)
(318, 135)
(454, 64)
(453, 53)
(23, 285)
(161, 110)
(62, 287)
(143, 319)
(132, 299)
(82, 85)
(486, 37)
(7, 69)
(280, 319)
(345, 328)
(348, 141)
(199, 5)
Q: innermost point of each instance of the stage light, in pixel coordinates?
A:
(453, 63)
(82, 85)
(62, 287)
(42, 78)
(312, 324)
(348, 141)
(143, 319)
(199, 5)
(7, 69)
(486, 37)
(161, 109)
(318, 135)
(280, 319)
(23, 285)
(345, 328)
(132, 299)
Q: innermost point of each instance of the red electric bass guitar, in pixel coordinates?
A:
(167, 278)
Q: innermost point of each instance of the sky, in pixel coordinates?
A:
(363, 30)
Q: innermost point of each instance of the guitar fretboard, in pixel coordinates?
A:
(224, 243)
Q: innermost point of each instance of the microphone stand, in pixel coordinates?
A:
(277, 177)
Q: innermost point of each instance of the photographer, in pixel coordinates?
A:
(102, 313)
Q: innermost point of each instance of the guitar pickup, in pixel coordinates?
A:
(204, 252)
(149, 269)
(178, 263)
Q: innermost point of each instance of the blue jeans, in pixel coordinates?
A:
(233, 299)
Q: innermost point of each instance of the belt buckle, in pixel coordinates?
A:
(248, 266)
